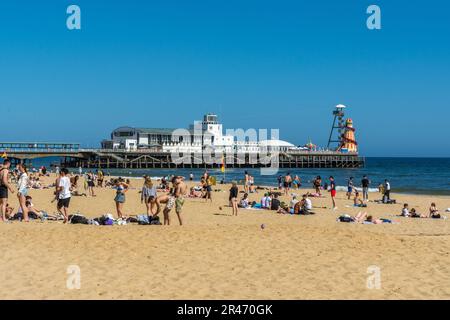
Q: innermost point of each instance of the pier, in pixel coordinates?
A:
(71, 155)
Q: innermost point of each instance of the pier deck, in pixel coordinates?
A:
(73, 156)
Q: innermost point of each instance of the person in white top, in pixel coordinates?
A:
(22, 187)
(265, 201)
(293, 202)
(387, 189)
(405, 210)
(63, 187)
(306, 204)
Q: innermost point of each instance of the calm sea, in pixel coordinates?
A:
(407, 175)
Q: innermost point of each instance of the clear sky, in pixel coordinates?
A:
(258, 64)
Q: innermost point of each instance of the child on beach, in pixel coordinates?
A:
(405, 210)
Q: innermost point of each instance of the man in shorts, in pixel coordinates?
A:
(333, 191)
(63, 187)
(4, 187)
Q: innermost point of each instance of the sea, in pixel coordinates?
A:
(406, 175)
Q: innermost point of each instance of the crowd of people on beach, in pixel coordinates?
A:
(173, 192)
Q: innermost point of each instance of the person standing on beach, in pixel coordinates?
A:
(387, 189)
(246, 182)
(349, 187)
(208, 189)
(100, 178)
(22, 193)
(234, 192)
(148, 192)
(4, 187)
(63, 193)
(119, 199)
(280, 182)
(287, 183)
(80, 171)
(333, 191)
(191, 177)
(91, 184)
(365, 183)
(317, 184)
(180, 190)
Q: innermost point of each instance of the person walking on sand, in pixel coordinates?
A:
(4, 187)
(234, 192)
(333, 191)
(63, 193)
(119, 199)
(349, 188)
(365, 183)
(22, 190)
(180, 190)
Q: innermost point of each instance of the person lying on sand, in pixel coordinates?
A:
(359, 218)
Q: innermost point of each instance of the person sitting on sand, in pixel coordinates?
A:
(414, 214)
(405, 210)
(357, 201)
(196, 192)
(293, 202)
(434, 213)
(244, 201)
(306, 205)
(275, 203)
(266, 201)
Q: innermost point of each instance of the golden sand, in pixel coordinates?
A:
(218, 256)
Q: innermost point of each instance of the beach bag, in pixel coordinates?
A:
(79, 219)
(345, 219)
(155, 221)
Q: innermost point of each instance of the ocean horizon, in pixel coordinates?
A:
(408, 175)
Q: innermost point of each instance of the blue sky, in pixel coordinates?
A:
(258, 64)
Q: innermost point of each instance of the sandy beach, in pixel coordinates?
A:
(218, 256)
